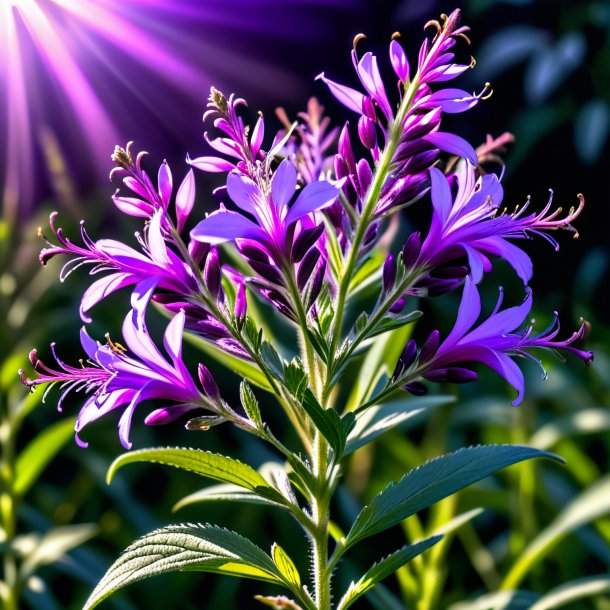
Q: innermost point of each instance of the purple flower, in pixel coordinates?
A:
(410, 136)
(470, 224)
(126, 266)
(115, 379)
(494, 343)
(267, 200)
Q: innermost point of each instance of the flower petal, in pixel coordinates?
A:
(185, 198)
(346, 95)
(468, 312)
(223, 226)
(244, 192)
(441, 194)
(452, 144)
(315, 196)
(283, 184)
(211, 164)
(101, 288)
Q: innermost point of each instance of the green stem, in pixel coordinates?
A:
(372, 196)
(320, 517)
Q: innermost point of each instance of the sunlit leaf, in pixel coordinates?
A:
(587, 421)
(203, 463)
(223, 493)
(433, 481)
(382, 569)
(188, 547)
(378, 419)
(500, 600)
(285, 565)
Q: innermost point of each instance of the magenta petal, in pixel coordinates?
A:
(172, 339)
(185, 198)
(315, 196)
(89, 345)
(223, 226)
(452, 144)
(399, 60)
(166, 415)
(257, 135)
(283, 184)
(368, 71)
(156, 242)
(450, 101)
(346, 95)
(101, 289)
(133, 206)
(211, 164)
(165, 183)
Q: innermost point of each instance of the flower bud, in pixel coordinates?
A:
(306, 239)
(211, 273)
(210, 388)
(430, 347)
(306, 267)
(411, 249)
(389, 273)
(416, 388)
(367, 132)
(241, 303)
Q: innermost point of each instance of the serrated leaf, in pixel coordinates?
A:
(379, 419)
(573, 591)
(285, 565)
(295, 378)
(327, 421)
(204, 463)
(384, 568)
(55, 543)
(272, 360)
(186, 547)
(250, 404)
(244, 368)
(225, 492)
(433, 481)
(37, 455)
(590, 505)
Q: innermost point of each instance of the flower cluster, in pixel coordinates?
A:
(309, 231)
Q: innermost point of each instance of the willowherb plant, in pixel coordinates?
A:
(308, 229)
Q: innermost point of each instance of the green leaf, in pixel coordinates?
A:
(223, 493)
(204, 463)
(433, 481)
(394, 321)
(244, 368)
(286, 566)
(187, 547)
(250, 404)
(296, 378)
(384, 568)
(591, 504)
(379, 419)
(37, 455)
(572, 591)
(327, 421)
(272, 360)
(54, 544)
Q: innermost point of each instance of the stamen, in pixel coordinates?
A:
(357, 39)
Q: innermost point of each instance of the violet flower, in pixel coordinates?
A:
(115, 379)
(471, 224)
(494, 343)
(410, 137)
(126, 265)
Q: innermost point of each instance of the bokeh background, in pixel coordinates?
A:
(79, 76)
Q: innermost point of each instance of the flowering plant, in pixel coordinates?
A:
(307, 232)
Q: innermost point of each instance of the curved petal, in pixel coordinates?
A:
(101, 288)
(244, 192)
(283, 184)
(223, 226)
(315, 196)
(346, 95)
(441, 194)
(172, 339)
(452, 144)
(185, 198)
(469, 311)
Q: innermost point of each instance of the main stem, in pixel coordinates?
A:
(320, 505)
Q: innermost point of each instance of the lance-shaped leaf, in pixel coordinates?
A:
(378, 419)
(433, 481)
(328, 422)
(384, 568)
(285, 565)
(204, 463)
(224, 492)
(186, 547)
